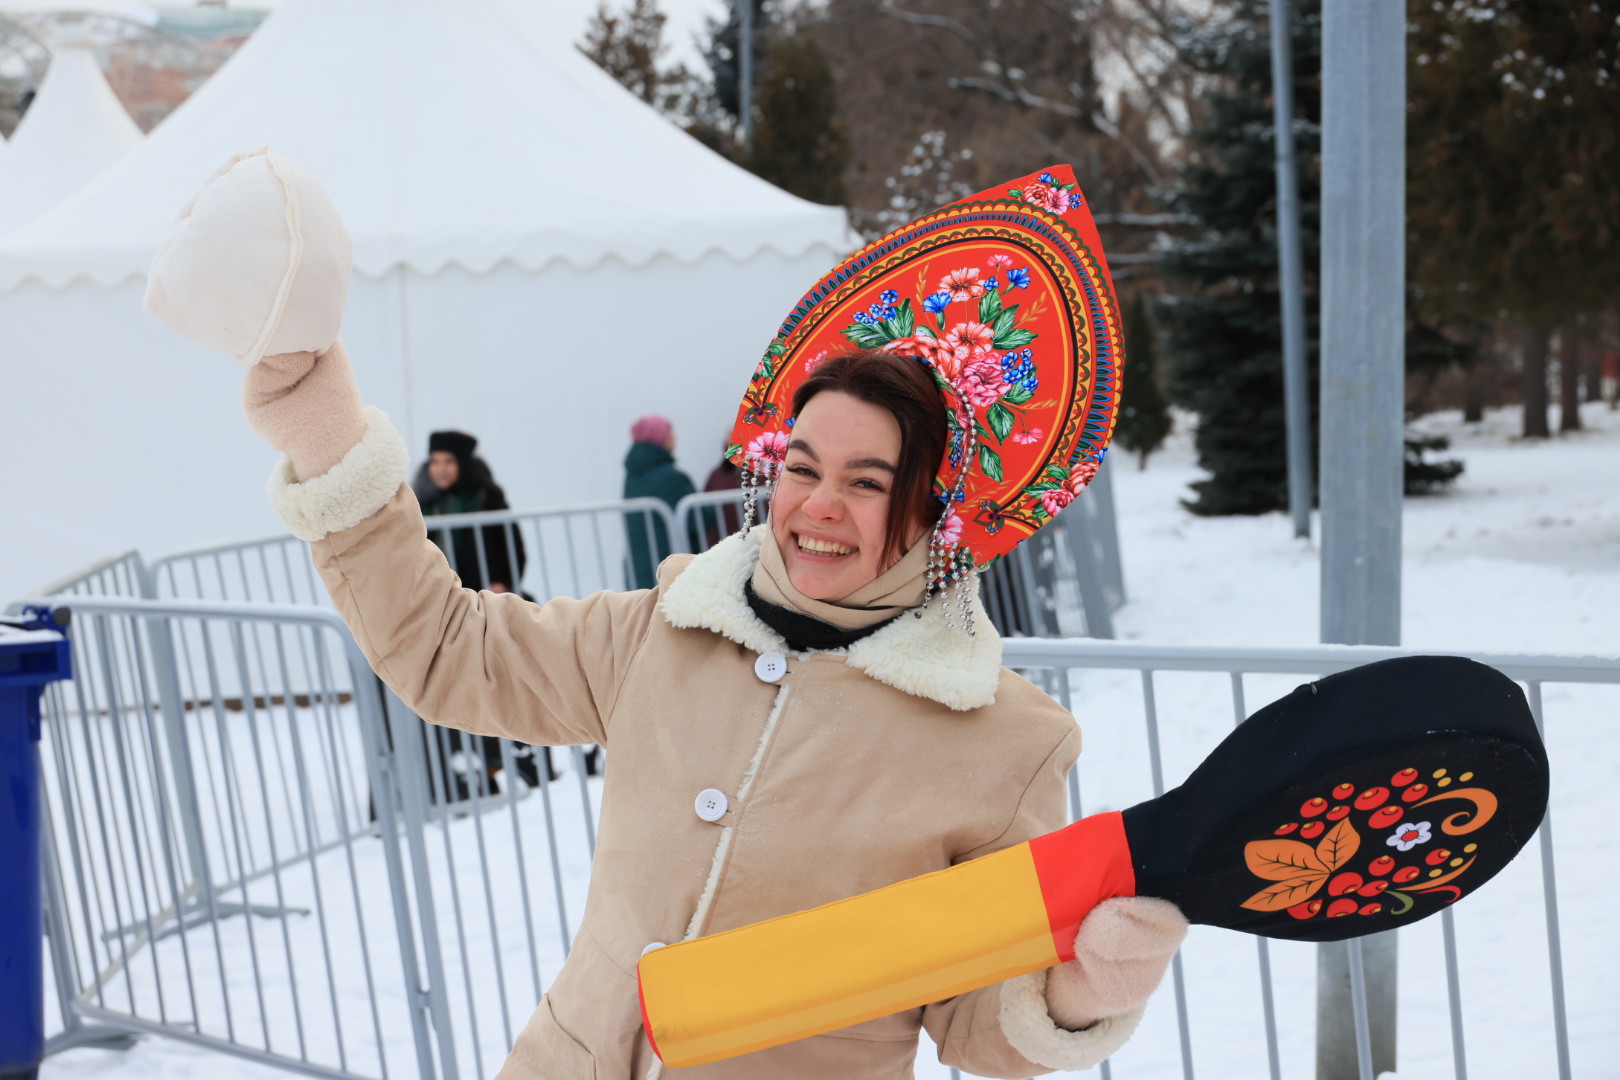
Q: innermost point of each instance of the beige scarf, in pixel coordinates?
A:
(895, 590)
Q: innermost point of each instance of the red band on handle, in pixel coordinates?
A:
(646, 1024)
(1078, 868)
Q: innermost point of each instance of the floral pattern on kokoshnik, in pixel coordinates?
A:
(1005, 297)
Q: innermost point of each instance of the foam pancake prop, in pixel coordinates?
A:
(1362, 802)
(1006, 296)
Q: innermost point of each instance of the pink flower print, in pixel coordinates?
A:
(980, 383)
(963, 284)
(1082, 474)
(1033, 435)
(998, 262)
(1056, 499)
(1409, 836)
(767, 450)
(1048, 197)
(815, 361)
(970, 340)
(950, 527)
(929, 349)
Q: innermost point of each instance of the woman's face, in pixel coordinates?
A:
(830, 512)
(443, 469)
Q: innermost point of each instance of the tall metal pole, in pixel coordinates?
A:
(745, 69)
(1296, 383)
(1363, 326)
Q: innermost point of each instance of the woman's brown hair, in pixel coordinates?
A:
(904, 387)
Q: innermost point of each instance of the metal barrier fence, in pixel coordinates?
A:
(565, 551)
(214, 872)
(207, 776)
(251, 846)
(1516, 1031)
(118, 575)
(1065, 580)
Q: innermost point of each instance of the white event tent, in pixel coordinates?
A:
(539, 259)
(72, 132)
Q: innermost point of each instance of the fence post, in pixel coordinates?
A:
(1363, 329)
(1101, 497)
(1093, 589)
(408, 780)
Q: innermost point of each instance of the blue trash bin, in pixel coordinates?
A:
(33, 652)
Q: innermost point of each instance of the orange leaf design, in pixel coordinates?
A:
(1285, 894)
(1338, 845)
(1281, 860)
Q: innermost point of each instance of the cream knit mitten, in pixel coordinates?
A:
(257, 267)
(306, 406)
(1120, 955)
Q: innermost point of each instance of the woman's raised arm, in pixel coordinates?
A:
(258, 267)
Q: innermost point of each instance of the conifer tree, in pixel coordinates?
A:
(1223, 335)
(797, 143)
(629, 45)
(1512, 157)
(1144, 414)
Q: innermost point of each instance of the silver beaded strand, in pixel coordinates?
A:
(750, 485)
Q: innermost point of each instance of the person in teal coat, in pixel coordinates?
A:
(650, 472)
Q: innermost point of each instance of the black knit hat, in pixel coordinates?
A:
(458, 443)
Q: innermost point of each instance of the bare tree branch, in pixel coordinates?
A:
(1151, 221)
(1017, 95)
(941, 22)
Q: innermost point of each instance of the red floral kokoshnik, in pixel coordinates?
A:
(1007, 297)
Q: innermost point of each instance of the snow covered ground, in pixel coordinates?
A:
(1524, 556)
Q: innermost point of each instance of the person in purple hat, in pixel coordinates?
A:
(650, 472)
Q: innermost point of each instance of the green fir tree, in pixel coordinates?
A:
(797, 143)
(1144, 414)
(1223, 334)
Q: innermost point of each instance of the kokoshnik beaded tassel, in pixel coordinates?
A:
(1006, 296)
(757, 474)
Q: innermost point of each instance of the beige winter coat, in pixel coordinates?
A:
(909, 751)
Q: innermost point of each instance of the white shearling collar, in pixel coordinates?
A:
(919, 656)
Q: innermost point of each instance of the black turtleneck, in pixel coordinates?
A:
(804, 632)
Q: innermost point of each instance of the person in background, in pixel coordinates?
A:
(720, 522)
(455, 480)
(650, 472)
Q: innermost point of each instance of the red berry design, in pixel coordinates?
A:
(1313, 807)
(1404, 777)
(1437, 856)
(1373, 888)
(1370, 909)
(1372, 797)
(1414, 793)
(1405, 874)
(1384, 817)
(1381, 865)
(1337, 812)
(1344, 791)
(1305, 910)
(1344, 906)
(1348, 881)
(1284, 830)
(1313, 830)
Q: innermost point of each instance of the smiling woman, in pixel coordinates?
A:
(803, 712)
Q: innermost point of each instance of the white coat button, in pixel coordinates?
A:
(771, 666)
(710, 804)
(651, 946)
